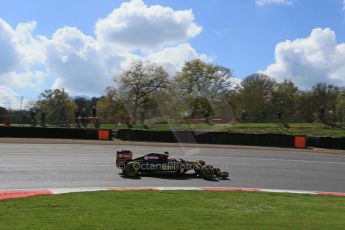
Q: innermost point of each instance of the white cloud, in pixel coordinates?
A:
(306, 61)
(72, 60)
(30, 48)
(138, 26)
(26, 79)
(343, 5)
(19, 47)
(20, 54)
(87, 64)
(235, 82)
(8, 98)
(9, 58)
(173, 58)
(79, 64)
(271, 2)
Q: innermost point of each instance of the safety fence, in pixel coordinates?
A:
(63, 133)
(226, 138)
(327, 142)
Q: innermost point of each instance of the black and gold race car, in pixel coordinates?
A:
(163, 164)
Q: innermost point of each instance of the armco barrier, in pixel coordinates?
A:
(278, 140)
(157, 136)
(270, 140)
(327, 142)
(63, 133)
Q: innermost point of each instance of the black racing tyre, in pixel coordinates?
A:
(207, 172)
(131, 169)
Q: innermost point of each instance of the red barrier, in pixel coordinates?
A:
(203, 121)
(217, 121)
(104, 134)
(196, 121)
(300, 142)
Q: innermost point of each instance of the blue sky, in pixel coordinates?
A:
(239, 34)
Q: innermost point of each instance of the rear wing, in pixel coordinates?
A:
(122, 157)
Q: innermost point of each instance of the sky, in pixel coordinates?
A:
(82, 45)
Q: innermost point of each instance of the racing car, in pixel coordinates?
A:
(163, 164)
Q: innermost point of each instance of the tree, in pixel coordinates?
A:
(57, 104)
(324, 95)
(256, 95)
(85, 102)
(340, 106)
(305, 110)
(199, 86)
(110, 107)
(233, 100)
(284, 98)
(139, 83)
(3, 110)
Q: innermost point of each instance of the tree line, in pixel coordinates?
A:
(145, 93)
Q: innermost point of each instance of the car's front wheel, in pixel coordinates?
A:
(207, 172)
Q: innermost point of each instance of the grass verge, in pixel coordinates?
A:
(173, 210)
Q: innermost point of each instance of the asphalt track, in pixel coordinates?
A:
(29, 166)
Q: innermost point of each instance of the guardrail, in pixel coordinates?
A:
(63, 133)
(327, 142)
(270, 140)
(226, 138)
(278, 140)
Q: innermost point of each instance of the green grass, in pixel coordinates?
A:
(310, 129)
(173, 210)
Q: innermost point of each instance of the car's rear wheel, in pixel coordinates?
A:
(207, 172)
(131, 169)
